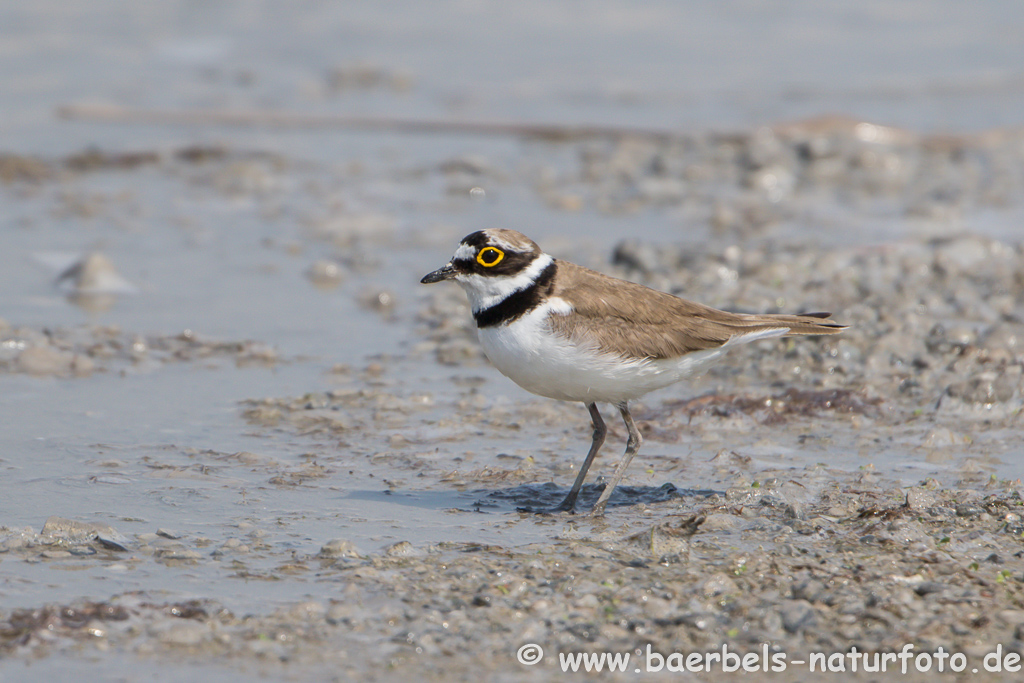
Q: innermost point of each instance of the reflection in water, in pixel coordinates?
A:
(91, 302)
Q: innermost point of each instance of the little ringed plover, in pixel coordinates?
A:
(570, 333)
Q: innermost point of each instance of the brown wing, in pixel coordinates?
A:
(640, 322)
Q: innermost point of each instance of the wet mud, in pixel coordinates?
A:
(809, 495)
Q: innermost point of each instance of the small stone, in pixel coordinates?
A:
(658, 608)
(719, 584)
(401, 549)
(667, 540)
(929, 587)
(919, 500)
(70, 531)
(177, 554)
(167, 533)
(43, 361)
(13, 543)
(720, 522)
(338, 547)
(112, 540)
(810, 590)
(797, 615)
(969, 510)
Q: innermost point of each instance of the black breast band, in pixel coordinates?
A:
(519, 303)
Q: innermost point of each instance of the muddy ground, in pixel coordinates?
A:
(811, 495)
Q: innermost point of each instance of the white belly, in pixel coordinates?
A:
(529, 354)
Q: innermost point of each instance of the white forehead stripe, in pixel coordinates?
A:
(464, 253)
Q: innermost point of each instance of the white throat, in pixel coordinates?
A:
(484, 291)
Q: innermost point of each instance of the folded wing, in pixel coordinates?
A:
(638, 322)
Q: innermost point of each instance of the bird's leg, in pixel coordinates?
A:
(632, 446)
(569, 504)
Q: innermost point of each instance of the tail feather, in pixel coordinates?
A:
(805, 323)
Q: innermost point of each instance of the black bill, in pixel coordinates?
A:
(445, 272)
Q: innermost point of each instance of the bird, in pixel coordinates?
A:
(569, 333)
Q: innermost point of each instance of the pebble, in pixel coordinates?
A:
(810, 590)
(718, 584)
(720, 522)
(797, 615)
(44, 361)
(338, 547)
(167, 533)
(177, 554)
(401, 549)
(71, 531)
(919, 500)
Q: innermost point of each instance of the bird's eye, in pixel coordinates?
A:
(488, 257)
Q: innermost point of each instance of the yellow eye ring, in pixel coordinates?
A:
(488, 257)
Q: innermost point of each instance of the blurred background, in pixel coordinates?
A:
(205, 204)
(690, 68)
(685, 66)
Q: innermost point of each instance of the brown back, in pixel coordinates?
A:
(639, 322)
